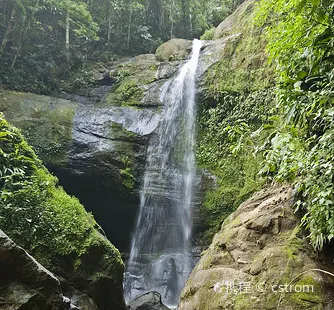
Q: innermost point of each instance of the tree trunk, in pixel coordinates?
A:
(109, 23)
(23, 33)
(7, 33)
(161, 17)
(24, 30)
(190, 23)
(67, 41)
(172, 18)
(184, 19)
(129, 30)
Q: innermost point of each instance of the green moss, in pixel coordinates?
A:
(243, 301)
(309, 297)
(237, 181)
(217, 205)
(141, 70)
(236, 222)
(243, 64)
(119, 132)
(57, 138)
(128, 93)
(131, 77)
(243, 67)
(127, 173)
(154, 68)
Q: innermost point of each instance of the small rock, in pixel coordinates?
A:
(256, 267)
(148, 301)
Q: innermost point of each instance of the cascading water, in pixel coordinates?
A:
(160, 257)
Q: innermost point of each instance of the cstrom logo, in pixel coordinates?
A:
(240, 287)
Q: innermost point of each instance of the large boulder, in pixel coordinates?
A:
(236, 19)
(97, 278)
(148, 301)
(137, 82)
(261, 259)
(174, 49)
(26, 284)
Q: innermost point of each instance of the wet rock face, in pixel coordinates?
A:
(148, 301)
(24, 283)
(260, 247)
(108, 158)
(98, 152)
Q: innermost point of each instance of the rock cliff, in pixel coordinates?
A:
(95, 142)
(261, 259)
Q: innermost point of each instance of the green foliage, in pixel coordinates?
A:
(237, 179)
(226, 126)
(300, 40)
(121, 74)
(228, 139)
(82, 23)
(36, 213)
(208, 34)
(129, 93)
(32, 42)
(127, 173)
(217, 205)
(42, 42)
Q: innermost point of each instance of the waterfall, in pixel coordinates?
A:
(160, 257)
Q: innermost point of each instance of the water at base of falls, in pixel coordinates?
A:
(160, 257)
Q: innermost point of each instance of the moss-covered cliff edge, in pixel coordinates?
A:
(268, 107)
(54, 227)
(236, 99)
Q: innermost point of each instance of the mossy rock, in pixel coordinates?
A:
(129, 93)
(142, 69)
(242, 60)
(45, 122)
(261, 259)
(53, 226)
(208, 34)
(235, 21)
(243, 66)
(132, 78)
(174, 49)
